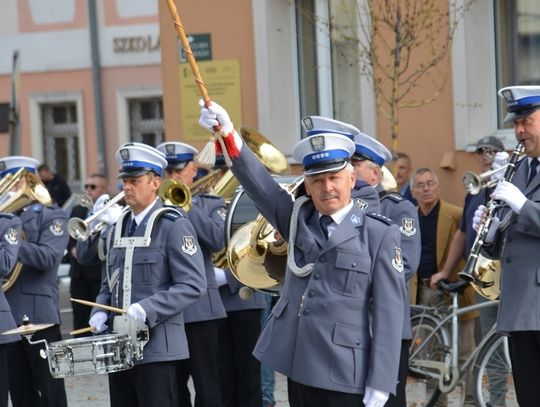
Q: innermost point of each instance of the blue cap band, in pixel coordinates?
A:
(362, 150)
(176, 158)
(323, 131)
(133, 166)
(323, 157)
(15, 169)
(522, 103)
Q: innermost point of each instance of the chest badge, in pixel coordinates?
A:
(397, 261)
(189, 247)
(407, 227)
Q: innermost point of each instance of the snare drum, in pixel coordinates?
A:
(92, 355)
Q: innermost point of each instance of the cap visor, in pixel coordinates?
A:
(332, 167)
(133, 174)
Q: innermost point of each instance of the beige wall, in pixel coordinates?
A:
(230, 25)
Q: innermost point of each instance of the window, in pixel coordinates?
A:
(518, 45)
(61, 140)
(146, 120)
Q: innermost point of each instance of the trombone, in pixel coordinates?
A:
(79, 229)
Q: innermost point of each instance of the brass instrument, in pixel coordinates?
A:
(472, 271)
(77, 200)
(175, 193)
(79, 229)
(32, 191)
(474, 183)
(256, 256)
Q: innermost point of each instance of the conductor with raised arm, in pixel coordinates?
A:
(336, 330)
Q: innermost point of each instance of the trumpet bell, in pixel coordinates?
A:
(174, 192)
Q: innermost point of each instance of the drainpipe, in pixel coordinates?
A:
(96, 82)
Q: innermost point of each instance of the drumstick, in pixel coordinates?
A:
(95, 304)
(82, 330)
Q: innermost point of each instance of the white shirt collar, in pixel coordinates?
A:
(139, 218)
(340, 215)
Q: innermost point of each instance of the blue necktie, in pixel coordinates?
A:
(132, 227)
(532, 170)
(324, 221)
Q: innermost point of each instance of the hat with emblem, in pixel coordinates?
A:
(490, 142)
(13, 163)
(318, 124)
(521, 100)
(177, 154)
(325, 152)
(367, 148)
(137, 159)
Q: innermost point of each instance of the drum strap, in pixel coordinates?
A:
(130, 244)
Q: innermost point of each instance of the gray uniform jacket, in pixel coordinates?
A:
(366, 197)
(35, 293)
(166, 278)
(10, 226)
(231, 299)
(206, 215)
(518, 247)
(404, 214)
(319, 332)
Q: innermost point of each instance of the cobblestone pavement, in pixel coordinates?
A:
(93, 391)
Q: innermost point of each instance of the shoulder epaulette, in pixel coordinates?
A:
(394, 196)
(210, 196)
(6, 215)
(172, 215)
(380, 217)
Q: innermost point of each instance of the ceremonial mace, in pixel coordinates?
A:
(207, 154)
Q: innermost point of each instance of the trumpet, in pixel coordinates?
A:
(471, 271)
(474, 183)
(79, 229)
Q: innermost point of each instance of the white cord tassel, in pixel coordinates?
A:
(207, 156)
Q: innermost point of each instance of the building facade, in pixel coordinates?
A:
(97, 73)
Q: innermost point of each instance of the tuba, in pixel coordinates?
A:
(256, 256)
(32, 191)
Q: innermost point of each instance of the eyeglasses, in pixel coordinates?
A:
(422, 185)
(90, 186)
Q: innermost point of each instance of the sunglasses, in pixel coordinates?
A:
(90, 186)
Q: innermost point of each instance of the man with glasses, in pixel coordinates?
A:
(85, 279)
(490, 154)
(439, 222)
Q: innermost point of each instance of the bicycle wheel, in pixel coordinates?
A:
(421, 389)
(493, 380)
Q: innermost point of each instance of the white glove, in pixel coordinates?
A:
(479, 217)
(221, 278)
(111, 215)
(375, 398)
(500, 160)
(99, 321)
(136, 312)
(510, 194)
(215, 115)
(100, 203)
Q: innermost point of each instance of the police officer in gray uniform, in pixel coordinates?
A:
(368, 158)
(35, 294)
(515, 239)
(336, 330)
(154, 279)
(207, 214)
(10, 226)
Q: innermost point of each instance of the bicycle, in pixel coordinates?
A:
(433, 362)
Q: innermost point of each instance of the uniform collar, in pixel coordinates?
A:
(139, 218)
(340, 215)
